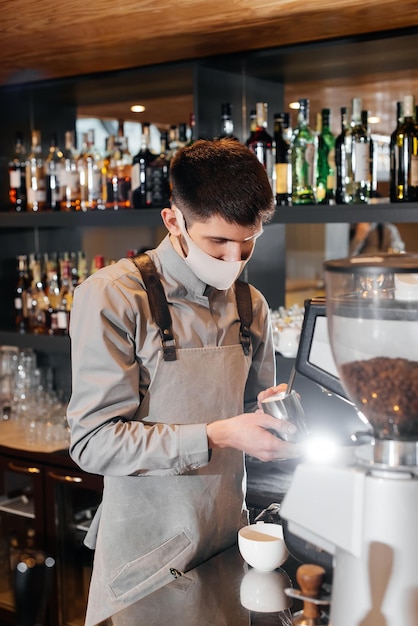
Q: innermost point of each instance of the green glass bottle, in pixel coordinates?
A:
(282, 167)
(304, 149)
(407, 154)
(325, 182)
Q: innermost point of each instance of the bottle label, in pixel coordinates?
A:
(414, 170)
(61, 320)
(15, 179)
(283, 178)
(310, 162)
(361, 164)
(135, 178)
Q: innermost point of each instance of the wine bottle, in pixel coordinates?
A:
(407, 154)
(282, 152)
(325, 182)
(261, 142)
(304, 149)
(17, 178)
(393, 179)
(141, 190)
(35, 175)
(357, 159)
(54, 169)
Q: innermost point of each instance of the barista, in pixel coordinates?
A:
(167, 423)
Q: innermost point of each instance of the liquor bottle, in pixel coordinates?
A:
(54, 169)
(325, 182)
(173, 143)
(124, 170)
(35, 175)
(17, 178)
(182, 136)
(61, 317)
(118, 174)
(191, 131)
(261, 142)
(52, 287)
(406, 188)
(357, 159)
(159, 176)
(227, 122)
(253, 124)
(393, 178)
(372, 159)
(39, 300)
(283, 157)
(141, 192)
(71, 181)
(340, 156)
(82, 267)
(304, 149)
(22, 295)
(89, 165)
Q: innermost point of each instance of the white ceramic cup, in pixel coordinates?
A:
(287, 406)
(262, 546)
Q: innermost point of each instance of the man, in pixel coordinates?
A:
(159, 391)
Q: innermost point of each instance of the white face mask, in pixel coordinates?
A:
(215, 272)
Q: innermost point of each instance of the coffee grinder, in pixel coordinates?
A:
(364, 511)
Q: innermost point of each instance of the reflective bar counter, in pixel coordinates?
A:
(223, 591)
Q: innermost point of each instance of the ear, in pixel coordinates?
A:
(170, 221)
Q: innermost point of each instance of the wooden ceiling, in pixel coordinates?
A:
(47, 39)
(44, 40)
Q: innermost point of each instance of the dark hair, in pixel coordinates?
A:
(221, 177)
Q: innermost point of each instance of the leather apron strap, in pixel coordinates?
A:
(245, 312)
(161, 314)
(158, 305)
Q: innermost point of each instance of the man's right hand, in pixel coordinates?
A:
(249, 433)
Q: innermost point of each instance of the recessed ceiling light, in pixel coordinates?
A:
(294, 105)
(137, 108)
(373, 119)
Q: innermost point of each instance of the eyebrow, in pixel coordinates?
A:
(226, 239)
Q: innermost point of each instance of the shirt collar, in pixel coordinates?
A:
(174, 265)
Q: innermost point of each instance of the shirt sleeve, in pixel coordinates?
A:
(262, 373)
(106, 438)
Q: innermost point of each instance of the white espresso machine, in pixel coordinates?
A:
(364, 511)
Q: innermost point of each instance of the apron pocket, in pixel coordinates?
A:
(152, 569)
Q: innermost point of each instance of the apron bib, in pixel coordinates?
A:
(152, 525)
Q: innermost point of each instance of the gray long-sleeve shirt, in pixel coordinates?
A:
(114, 354)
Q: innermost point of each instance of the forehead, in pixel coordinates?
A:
(216, 227)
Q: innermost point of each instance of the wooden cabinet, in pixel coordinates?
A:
(46, 505)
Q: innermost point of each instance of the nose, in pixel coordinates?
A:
(234, 252)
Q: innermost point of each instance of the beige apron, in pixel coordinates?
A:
(152, 525)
